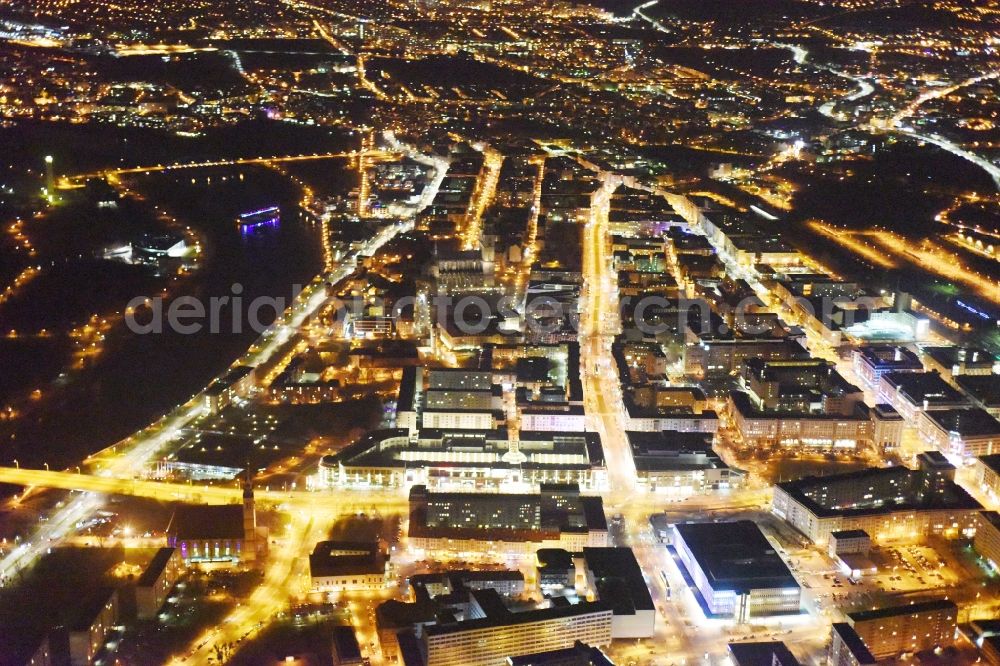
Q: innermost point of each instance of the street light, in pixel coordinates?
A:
(17, 464)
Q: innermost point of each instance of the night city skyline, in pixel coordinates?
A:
(500, 333)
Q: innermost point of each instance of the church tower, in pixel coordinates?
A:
(249, 519)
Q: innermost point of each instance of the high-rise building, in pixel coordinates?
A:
(847, 648)
(888, 502)
(891, 631)
(987, 542)
(498, 634)
(557, 516)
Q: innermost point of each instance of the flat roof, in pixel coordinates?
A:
(373, 450)
(766, 653)
(920, 387)
(992, 517)
(669, 441)
(935, 460)
(618, 579)
(887, 412)
(890, 356)
(742, 402)
(984, 388)
(555, 558)
(580, 515)
(405, 399)
(554, 408)
(580, 654)
(906, 609)
(345, 643)
(91, 607)
(948, 356)
(849, 534)
(525, 617)
(671, 450)
(397, 614)
(341, 558)
(950, 495)
(481, 379)
(991, 461)
(459, 579)
(971, 422)
(850, 638)
(155, 567)
(497, 414)
(735, 555)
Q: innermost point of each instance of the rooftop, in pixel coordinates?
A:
(985, 389)
(890, 357)
(670, 450)
(397, 614)
(965, 422)
(969, 356)
(341, 558)
(155, 567)
(735, 555)
(769, 653)
(618, 579)
(572, 513)
(934, 605)
(461, 580)
(525, 617)
(991, 461)
(923, 387)
(992, 517)
(580, 654)
(887, 412)
(742, 402)
(393, 448)
(556, 558)
(849, 534)
(854, 643)
(835, 495)
(196, 523)
(90, 608)
(345, 643)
